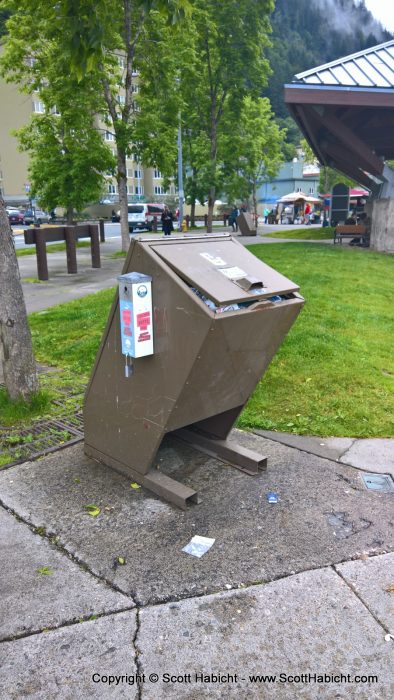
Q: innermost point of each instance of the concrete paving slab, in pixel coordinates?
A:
(371, 580)
(324, 516)
(30, 600)
(311, 623)
(330, 448)
(374, 455)
(61, 663)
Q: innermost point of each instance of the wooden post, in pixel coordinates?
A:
(71, 249)
(102, 232)
(41, 252)
(154, 226)
(95, 244)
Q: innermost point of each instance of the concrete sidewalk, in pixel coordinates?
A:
(303, 586)
(295, 599)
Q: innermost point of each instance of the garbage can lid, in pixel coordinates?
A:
(223, 270)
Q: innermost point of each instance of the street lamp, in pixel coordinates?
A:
(180, 174)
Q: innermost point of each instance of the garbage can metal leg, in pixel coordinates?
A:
(225, 450)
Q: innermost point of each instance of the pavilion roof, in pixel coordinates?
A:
(371, 68)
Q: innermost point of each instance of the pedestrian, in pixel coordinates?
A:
(307, 213)
(232, 219)
(167, 219)
(266, 215)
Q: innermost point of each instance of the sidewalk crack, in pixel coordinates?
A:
(362, 601)
(54, 539)
(137, 652)
(66, 623)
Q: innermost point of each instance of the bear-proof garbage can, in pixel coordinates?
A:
(191, 331)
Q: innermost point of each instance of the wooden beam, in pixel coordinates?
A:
(347, 167)
(349, 139)
(299, 94)
(308, 118)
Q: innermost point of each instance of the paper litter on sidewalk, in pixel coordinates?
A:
(198, 546)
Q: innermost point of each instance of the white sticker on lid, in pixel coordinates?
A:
(233, 273)
(215, 260)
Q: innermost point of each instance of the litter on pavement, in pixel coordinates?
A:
(198, 546)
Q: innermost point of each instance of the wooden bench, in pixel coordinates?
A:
(349, 231)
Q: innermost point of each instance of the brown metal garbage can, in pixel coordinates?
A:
(217, 317)
(246, 224)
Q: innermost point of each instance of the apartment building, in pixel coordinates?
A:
(143, 184)
(15, 111)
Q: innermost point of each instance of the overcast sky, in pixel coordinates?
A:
(382, 10)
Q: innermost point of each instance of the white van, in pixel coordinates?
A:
(142, 216)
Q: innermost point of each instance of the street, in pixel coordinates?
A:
(112, 231)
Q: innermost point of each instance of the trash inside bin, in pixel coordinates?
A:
(211, 316)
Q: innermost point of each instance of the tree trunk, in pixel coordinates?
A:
(211, 204)
(70, 215)
(123, 202)
(16, 351)
(193, 212)
(254, 198)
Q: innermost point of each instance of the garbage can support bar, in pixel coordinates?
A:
(224, 450)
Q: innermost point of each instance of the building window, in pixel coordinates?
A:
(130, 189)
(109, 136)
(138, 174)
(38, 107)
(159, 189)
(134, 87)
(139, 189)
(122, 62)
(111, 188)
(121, 99)
(157, 174)
(54, 110)
(136, 106)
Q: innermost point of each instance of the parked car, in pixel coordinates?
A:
(142, 216)
(36, 216)
(15, 216)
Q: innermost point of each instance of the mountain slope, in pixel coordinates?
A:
(307, 33)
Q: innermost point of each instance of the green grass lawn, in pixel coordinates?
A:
(305, 234)
(333, 375)
(51, 248)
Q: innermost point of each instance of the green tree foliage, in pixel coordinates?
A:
(330, 177)
(227, 42)
(251, 147)
(105, 45)
(68, 157)
(4, 15)
(67, 160)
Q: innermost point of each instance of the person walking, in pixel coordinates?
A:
(167, 219)
(266, 215)
(232, 219)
